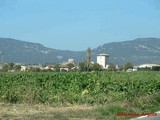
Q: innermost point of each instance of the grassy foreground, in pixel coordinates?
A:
(146, 104)
(78, 96)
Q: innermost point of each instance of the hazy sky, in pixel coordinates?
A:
(78, 24)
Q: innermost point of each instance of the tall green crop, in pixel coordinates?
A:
(76, 87)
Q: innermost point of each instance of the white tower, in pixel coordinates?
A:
(102, 59)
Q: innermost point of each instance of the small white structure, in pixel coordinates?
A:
(64, 69)
(71, 61)
(102, 59)
(46, 68)
(23, 68)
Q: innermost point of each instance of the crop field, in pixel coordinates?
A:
(78, 95)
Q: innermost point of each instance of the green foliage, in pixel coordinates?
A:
(76, 87)
(144, 69)
(34, 69)
(17, 67)
(93, 67)
(88, 58)
(110, 109)
(70, 65)
(5, 68)
(57, 68)
(112, 67)
(11, 66)
(156, 68)
(127, 65)
(96, 67)
(82, 66)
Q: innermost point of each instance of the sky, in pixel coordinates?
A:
(79, 24)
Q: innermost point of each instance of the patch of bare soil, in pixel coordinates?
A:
(45, 112)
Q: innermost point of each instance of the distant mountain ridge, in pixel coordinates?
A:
(13, 50)
(138, 51)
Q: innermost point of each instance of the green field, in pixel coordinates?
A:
(103, 94)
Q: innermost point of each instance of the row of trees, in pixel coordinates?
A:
(83, 66)
(88, 66)
(10, 67)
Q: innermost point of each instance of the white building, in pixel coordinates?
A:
(23, 68)
(102, 59)
(148, 66)
(71, 61)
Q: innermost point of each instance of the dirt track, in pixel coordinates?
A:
(44, 112)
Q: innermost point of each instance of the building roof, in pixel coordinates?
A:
(102, 54)
(148, 65)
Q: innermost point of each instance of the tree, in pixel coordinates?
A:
(96, 67)
(88, 58)
(120, 68)
(82, 66)
(34, 69)
(17, 67)
(5, 68)
(112, 67)
(57, 68)
(70, 65)
(11, 66)
(127, 65)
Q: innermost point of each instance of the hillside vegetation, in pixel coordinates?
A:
(138, 51)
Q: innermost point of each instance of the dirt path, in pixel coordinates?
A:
(45, 112)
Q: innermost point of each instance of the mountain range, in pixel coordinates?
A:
(138, 51)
